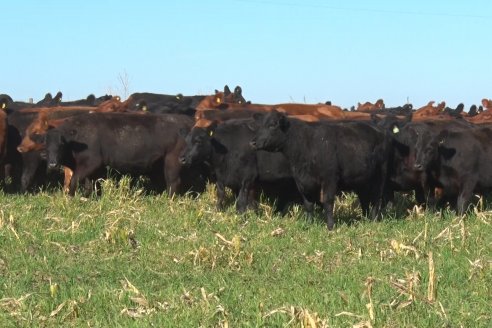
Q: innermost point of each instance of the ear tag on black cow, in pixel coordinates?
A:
(211, 133)
(144, 108)
(3, 105)
(441, 142)
(395, 129)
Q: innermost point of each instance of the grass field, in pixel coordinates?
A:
(133, 260)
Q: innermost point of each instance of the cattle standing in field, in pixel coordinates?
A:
(237, 166)
(129, 143)
(405, 173)
(461, 162)
(328, 157)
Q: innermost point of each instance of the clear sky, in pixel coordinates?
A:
(278, 50)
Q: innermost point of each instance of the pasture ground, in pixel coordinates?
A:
(127, 259)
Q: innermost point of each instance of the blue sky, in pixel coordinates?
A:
(278, 50)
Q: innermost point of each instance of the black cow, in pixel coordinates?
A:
(91, 100)
(405, 173)
(237, 166)
(129, 143)
(177, 104)
(461, 160)
(328, 157)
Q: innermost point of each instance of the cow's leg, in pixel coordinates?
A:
(172, 170)
(29, 168)
(464, 197)
(253, 197)
(243, 197)
(220, 191)
(364, 200)
(328, 191)
(83, 169)
(67, 178)
(420, 196)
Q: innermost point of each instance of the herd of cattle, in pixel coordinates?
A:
(304, 153)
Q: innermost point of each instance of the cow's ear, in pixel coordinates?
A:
(284, 122)
(485, 103)
(227, 91)
(238, 91)
(216, 91)
(441, 106)
(442, 136)
(446, 152)
(183, 132)
(460, 108)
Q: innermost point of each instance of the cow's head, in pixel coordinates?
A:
(271, 131)
(199, 144)
(35, 134)
(55, 145)
(428, 148)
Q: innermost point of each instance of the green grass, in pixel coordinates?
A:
(127, 259)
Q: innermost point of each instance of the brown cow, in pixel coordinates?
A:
(429, 110)
(368, 106)
(114, 105)
(305, 112)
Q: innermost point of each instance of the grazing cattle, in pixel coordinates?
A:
(461, 160)
(368, 106)
(237, 166)
(129, 143)
(340, 156)
(405, 173)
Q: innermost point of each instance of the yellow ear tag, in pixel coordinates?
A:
(144, 108)
(217, 100)
(395, 129)
(211, 133)
(178, 97)
(3, 106)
